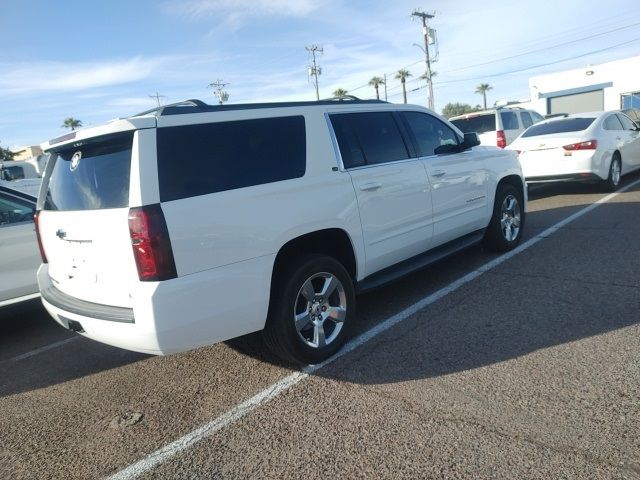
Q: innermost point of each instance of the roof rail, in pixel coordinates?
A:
(185, 103)
(198, 106)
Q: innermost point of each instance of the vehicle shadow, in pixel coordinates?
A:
(528, 305)
(36, 352)
(544, 190)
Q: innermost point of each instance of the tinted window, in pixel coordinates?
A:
(559, 126)
(377, 134)
(11, 173)
(348, 142)
(14, 210)
(478, 123)
(526, 119)
(626, 123)
(97, 178)
(214, 157)
(509, 121)
(612, 123)
(429, 132)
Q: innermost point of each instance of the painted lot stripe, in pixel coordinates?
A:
(236, 413)
(40, 350)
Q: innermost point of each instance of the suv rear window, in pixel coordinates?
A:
(478, 124)
(91, 175)
(213, 157)
(559, 126)
(509, 121)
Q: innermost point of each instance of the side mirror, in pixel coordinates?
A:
(470, 140)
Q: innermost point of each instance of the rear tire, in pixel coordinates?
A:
(615, 173)
(312, 310)
(505, 228)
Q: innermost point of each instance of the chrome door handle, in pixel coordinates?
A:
(438, 173)
(367, 187)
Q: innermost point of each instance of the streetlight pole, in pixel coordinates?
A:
(425, 31)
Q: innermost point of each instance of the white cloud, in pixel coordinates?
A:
(65, 77)
(235, 10)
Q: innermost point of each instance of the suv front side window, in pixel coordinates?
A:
(429, 133)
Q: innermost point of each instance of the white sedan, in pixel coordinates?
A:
(599, 146)
(19, 254)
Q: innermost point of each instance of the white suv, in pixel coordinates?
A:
(499, 126)
(192, 224)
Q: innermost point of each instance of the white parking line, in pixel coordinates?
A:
(165, 453)
(40, 350)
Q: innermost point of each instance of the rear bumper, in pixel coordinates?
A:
(556, 165)
(174, 315)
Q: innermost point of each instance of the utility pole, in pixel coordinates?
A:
(314, 70)
(385, 87)
(157, 96)
(425, 30)
(218, 91)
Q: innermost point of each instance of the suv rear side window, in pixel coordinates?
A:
(478, 123)
(91, 175)
(214, 157)
(509, 121)
(377, 135)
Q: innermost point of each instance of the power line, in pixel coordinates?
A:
(593, 52)
(542, 49)
(157, 96)
(218, 91)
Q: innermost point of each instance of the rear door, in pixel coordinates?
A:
(83, 221)
(632, 144)
(510, 125)
(392, 189)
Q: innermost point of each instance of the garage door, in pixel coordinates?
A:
(578, 102)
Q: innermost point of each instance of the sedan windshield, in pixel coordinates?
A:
(559, 126)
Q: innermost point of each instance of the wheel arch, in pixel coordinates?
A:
(334, 242)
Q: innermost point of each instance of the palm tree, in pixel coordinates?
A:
(340, 93)
(71, 123)
(402, 76)
(482, 89)
(375, 82)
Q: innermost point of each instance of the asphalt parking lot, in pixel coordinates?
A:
(527, 369)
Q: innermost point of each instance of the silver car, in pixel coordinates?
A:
(19, 254)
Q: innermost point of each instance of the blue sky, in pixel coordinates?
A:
(97, 60)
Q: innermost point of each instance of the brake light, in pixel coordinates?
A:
(151, 244)
(588, 145)
(36, 220)
(502, 140)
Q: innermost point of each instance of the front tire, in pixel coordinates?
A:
(312, 310)
(615, 172)
(505, 228)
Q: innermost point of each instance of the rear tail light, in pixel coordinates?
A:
(588, 145)
(502, 140)
(151, 244)
(36, 220)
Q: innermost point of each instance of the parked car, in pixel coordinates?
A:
(600, 146)
(191, 224)
(498, 127)
(19, 256)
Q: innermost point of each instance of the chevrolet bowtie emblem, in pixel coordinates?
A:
(61, 234)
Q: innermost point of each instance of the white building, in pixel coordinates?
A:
(608, 86)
